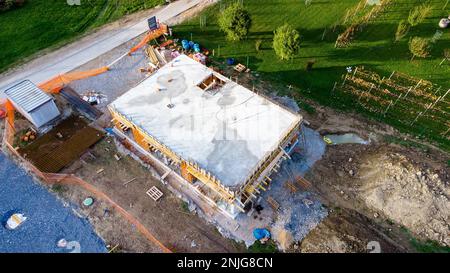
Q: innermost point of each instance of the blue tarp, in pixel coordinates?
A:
(261, 233)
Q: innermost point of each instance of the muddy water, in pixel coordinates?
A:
(48, 219)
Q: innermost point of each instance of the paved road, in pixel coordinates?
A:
(72, 56)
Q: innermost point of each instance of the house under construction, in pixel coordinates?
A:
(223, 138)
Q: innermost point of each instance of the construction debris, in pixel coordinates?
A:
(62, 243)
(88, 201)
(240, 68)
(291, 187)
(129, 181)
(154, 193)
(30, 135)
(15, 221)
(274, 204)
(94, 98)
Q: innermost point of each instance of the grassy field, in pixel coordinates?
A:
(43, 23)
(319, 25)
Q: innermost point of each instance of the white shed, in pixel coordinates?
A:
(33, 103)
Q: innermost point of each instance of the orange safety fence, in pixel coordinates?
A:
(150, 36)
(54, 85)
(70, 179)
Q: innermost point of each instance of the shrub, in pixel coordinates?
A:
(402, 30)
(235, 21)
(419, 47)
(286, 42)
(310, 64)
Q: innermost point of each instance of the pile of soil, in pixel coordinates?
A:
(413, 196)
(407, 187)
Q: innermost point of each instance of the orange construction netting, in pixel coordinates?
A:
(54, 85)
(150, 36)
(9, 113)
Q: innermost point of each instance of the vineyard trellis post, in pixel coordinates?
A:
(437, 91)
(407, 93)
(397, 99)
(345, 78)
(334, 87)
(392, 74)
(432, 104)
(381, 82)
(324, 32)
(387, 109)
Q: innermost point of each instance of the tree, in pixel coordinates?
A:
(446, 55)
(419, 47)
(418, 14)
(258, 44)
(402, 30)
(235, 21)
(286, 42)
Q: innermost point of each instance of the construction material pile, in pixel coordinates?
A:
(94, 98)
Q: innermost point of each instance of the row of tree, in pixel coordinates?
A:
(236, 21)
(415, 17)
(419, 47)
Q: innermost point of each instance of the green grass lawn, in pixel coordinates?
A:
(373, 47)
(40, 24)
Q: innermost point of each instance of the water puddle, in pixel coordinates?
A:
(334, 139)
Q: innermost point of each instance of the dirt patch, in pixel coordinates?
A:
(167, 220)
(118, 234)
(347, 231)
(384, 181)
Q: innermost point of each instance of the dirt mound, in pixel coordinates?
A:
(408, 194)
(347, 231)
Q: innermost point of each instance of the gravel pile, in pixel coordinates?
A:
(48, 219)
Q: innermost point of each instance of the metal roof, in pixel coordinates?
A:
(27, 95)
